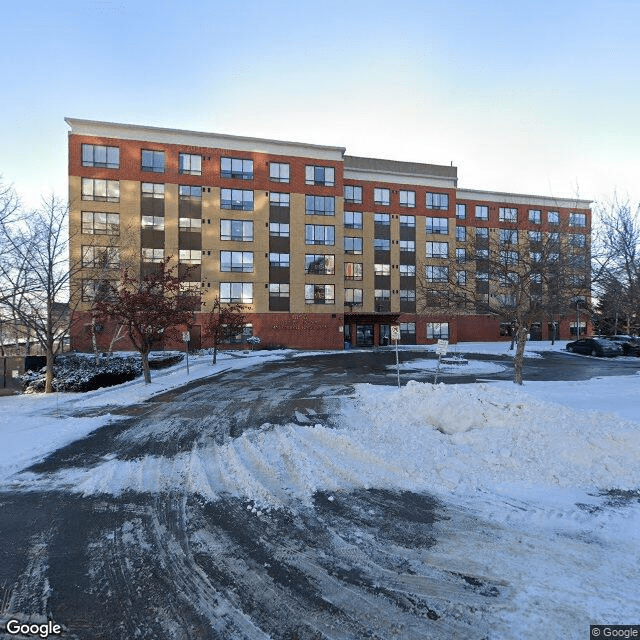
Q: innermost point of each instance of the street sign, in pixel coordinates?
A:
(186, 337)
(441, 348)
(395, 332)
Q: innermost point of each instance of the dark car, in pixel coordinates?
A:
(630, 345)
(595, 347)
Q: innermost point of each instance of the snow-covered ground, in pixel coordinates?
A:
(555, 464)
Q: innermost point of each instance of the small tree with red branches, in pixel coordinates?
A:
(222, 322)
(149, 308)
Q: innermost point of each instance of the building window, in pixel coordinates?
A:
(437, 225)
(236, 292)
(461, 277)
(190, 224)
(535, 236)
(352, 245)
(279, 260)
(381, 244)
(482, 254)
(507, 214)
(279, 199)
(437, 201)
(189, 164)
(156, 223)
(482, 212)
(407, 270)
(100, 224)
(93, 290)
(578, 240)
(319, 234)
(353, 297)
(535, 256)
(553, 217)
(190, 256)
(437, 273)
(100, 190)
(353, 271)
(408, 222)
(509, 257)
(437, 249)
(237, 168)
(320, 205)
(408, 245)
(353, 194)
(437, 330)
(153, 161)
(461, 211)
(319, 294)
(535, 216)
(278, 172)
(461, 234)
(97, 155)
(237, 261)
(241, 338)
(381, 196)
(482, 232)
(407, 198)
(353, 220)
(381, 219)
(508, 236)
(238, 199)
(320, 265)
(238, 230)
(461, 255)
(382, 295)
(407, 295)
(407, 329)
(279, 229)
(279, 290)
(382, 269)
(100, 257)
(322, 176)
(152, 255)
(186, 192)
(152, 190)
(577, 220)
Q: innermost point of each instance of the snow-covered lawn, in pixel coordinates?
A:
(554, 465)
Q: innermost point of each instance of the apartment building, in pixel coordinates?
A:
(323, 249)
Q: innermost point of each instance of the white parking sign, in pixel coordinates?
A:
(395, 332)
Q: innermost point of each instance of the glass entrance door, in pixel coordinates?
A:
(364, 335)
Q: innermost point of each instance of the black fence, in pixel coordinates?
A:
(14, 366)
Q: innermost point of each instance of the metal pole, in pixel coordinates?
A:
(186, 346)
(397, 364)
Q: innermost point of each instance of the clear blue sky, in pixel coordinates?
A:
(528, 97)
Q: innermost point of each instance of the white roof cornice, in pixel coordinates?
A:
(200, 139)
(522, 199)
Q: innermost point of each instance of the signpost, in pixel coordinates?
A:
(186, 337)
(395, 335)
(441, 350)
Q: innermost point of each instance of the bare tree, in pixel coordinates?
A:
(616, 264)
(222, 322)
(516, 276)
(35, 273)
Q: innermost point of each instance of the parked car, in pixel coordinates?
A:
(595, 347)
(630, 345)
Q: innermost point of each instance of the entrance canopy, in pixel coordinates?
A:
(371, 318)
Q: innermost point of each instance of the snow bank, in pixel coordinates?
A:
(423, 437)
